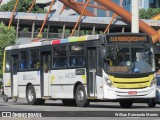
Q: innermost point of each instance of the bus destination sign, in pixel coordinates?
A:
(127, 38)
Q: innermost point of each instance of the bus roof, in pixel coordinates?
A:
(56, 41)
(111, 37)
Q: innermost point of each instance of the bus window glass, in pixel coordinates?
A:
(129, 59)
(23, 60)
(34, 59)
(7, 64)
(60, 57)
(76, 58)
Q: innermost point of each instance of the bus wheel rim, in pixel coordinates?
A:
(30, 95)
(80, 96)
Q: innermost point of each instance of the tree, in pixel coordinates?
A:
(7, 38)
(148, 14)
(23, 6)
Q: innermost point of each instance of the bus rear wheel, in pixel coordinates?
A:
(80, 97)
(31, 97)
(126, 103)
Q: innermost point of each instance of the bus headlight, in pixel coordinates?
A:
(109, 82)
(153, 82)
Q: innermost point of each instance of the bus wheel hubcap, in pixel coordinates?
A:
(80, 96)
(30, 95)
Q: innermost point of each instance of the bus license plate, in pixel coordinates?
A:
(132, 92)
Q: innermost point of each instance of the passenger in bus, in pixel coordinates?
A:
(55, 65)
(23, 65)
(73, 61)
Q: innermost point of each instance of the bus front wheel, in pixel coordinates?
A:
(126, 103)
(80, 97)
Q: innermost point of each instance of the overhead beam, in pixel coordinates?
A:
(80, 17)
(44, 22)
(15, 6)
(89, 5)
(34, 1)
(77, 8)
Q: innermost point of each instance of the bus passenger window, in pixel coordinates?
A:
(23, 60)
(34, 59)
(7, 64)
(76, 58)
(60, 57)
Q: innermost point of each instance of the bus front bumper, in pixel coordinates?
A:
(115, 93)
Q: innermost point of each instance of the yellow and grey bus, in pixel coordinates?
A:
(78, 70)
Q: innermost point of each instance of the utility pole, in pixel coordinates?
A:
(135, 16)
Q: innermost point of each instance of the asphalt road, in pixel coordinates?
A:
(96, 109)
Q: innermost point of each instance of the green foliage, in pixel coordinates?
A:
(147, 14)
(23, 6)
(7, 38)
(25, 29)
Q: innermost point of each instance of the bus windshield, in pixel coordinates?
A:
(129, 59)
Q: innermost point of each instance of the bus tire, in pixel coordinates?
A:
(31, 95)
(69, 102)
(151, 103)
(80, 97)
(126, 103)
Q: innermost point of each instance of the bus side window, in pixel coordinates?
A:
(76, 57)
(59, 57)
(7, 62)
(34, 59)
(23, 60)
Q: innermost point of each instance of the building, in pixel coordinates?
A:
(3, 2)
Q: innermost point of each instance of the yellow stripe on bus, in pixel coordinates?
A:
(52, 79)
(137, 85)
(84, 78)
(131, 80)
(9, 82)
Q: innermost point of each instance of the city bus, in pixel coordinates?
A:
(79, 70)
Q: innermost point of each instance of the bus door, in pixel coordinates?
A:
(46, 73)
(91, 71)
(14, 82)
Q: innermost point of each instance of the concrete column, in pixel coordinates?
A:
(79, 28)
(48, 29)
(135, 16)
(94, 29)
(33, 26)
(17, 31)
(63, 32)
(123, 28)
